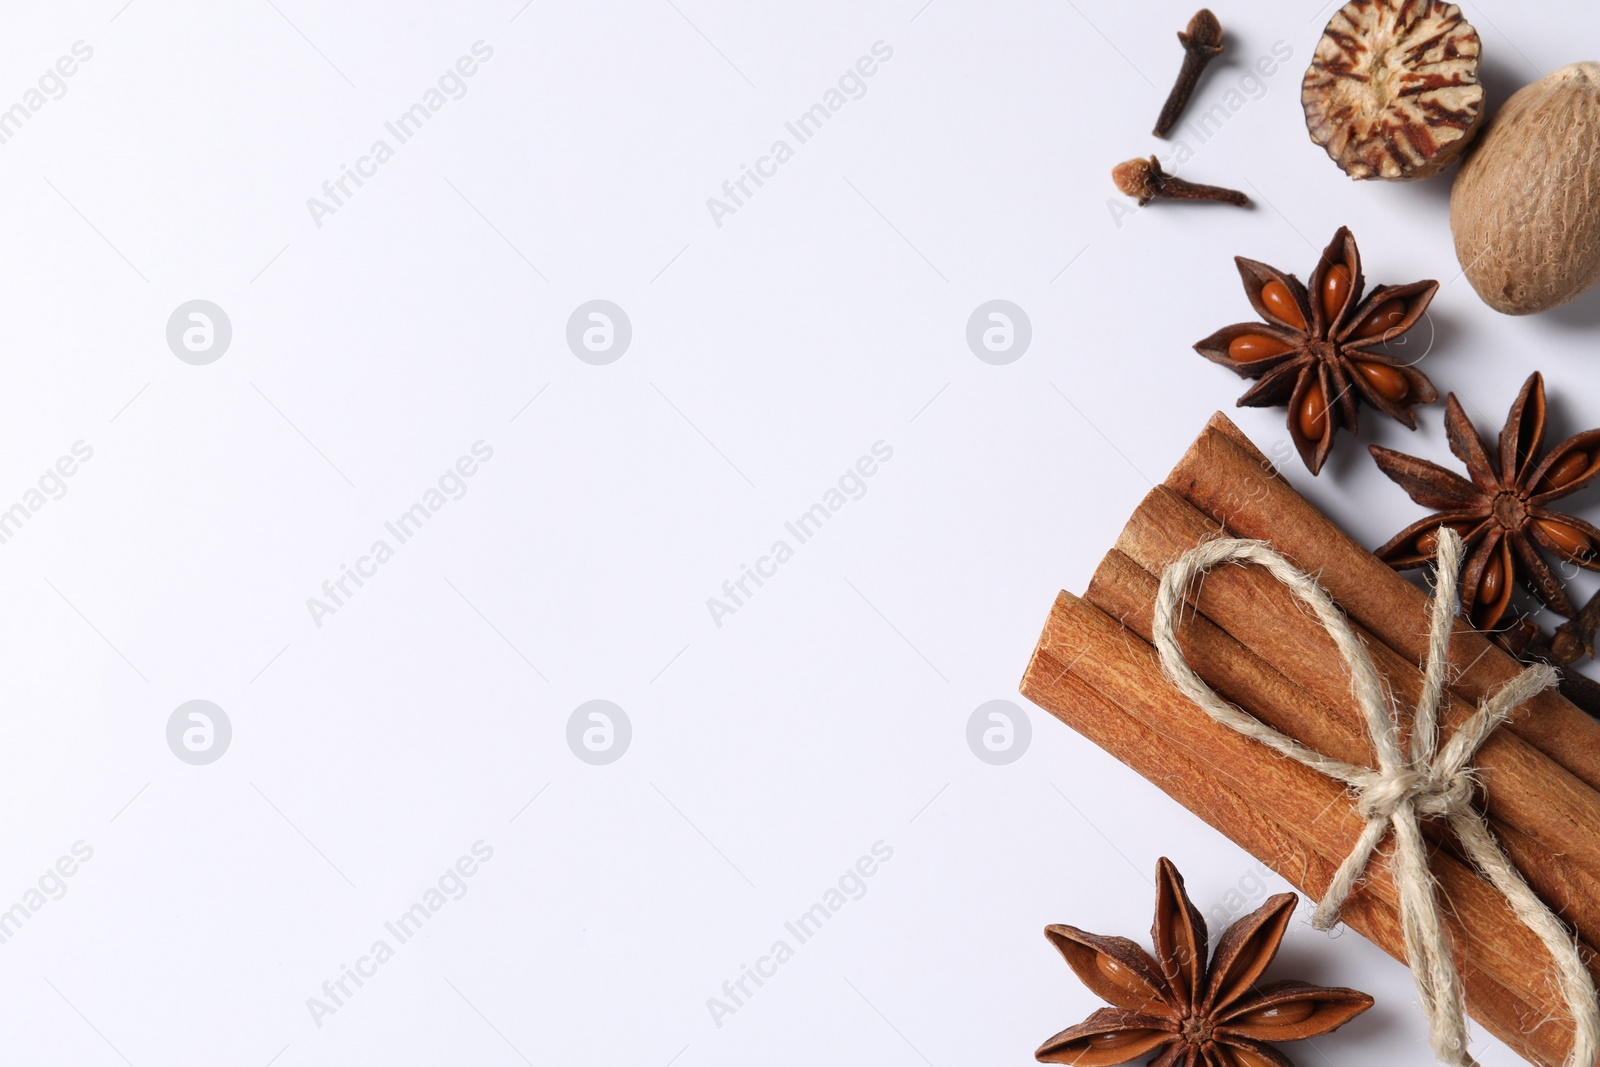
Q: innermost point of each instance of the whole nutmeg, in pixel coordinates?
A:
(1525, 209)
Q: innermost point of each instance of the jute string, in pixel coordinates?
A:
(1403, 789)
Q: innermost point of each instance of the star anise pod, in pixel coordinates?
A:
(1175, 1005)
(1316, 350)
(1503, 513)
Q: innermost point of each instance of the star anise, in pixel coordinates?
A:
(1503, 513)
(1316, 351)
(1188, 1013)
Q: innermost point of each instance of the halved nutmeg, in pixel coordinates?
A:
(1392, 91)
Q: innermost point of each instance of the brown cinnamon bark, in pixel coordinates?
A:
(1111, 660)
(1050, 683)
(1229, 480)
(1127, 592)
(1525, 790)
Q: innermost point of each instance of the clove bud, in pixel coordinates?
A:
(1202, 43)
(1144, 180)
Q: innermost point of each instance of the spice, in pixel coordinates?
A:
(1525, 209)
(1202, 42)
(1144, 180)
(1392, 91)
(1575, 638)
(1572, 641)
(1316, 351)
(1503, 512)
(1178, 1005)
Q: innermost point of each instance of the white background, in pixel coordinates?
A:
(768, 354)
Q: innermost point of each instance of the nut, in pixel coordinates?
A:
(1525, 209)
(1392, 91)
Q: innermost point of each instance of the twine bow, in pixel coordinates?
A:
(1403, 789)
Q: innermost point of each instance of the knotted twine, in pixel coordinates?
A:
(1403, 790)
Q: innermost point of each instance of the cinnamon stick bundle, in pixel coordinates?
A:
(1259, 650)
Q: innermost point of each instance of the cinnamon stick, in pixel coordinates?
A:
(1051, 685)
(1109, 659)
(1525, 790)
(1127, 592)
(1231, 482)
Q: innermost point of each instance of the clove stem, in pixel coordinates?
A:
(1202, 43)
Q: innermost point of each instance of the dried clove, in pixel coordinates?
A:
(1144, 180)
(1528, 643)
(1575, 638)
(1202, 43)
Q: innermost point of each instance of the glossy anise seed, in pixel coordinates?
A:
(1282, 303)
(1382, 319)
(1389, 383)
(1428, 540)
(1282, 1015)
(1564, 473)
(1313, 414)
(1494, 577)
(1121, 977)
(1335, 289)
(1250, 347)
(1570, 541)
(1120, 1038)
